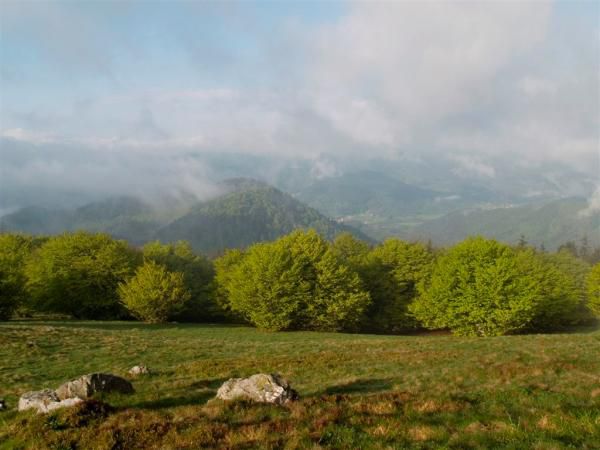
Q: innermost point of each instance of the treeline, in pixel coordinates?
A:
(583, 251)
(302, 282)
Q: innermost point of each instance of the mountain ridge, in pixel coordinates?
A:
(246, 211)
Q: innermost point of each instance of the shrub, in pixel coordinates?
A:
(198, 274)
(561, 278)
(350, 250)
(266, 287)
(154, 294)
(225, 279)
(78, 274)
(14, 251)
(484, 288)
(295, 282)
(338, 301)
(391, 274)
(593, 289)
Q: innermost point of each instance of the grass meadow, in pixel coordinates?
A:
(356, 391)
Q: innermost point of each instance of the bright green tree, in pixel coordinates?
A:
(566, 297)
(224, 271)
(339, 299)
(78, 274)
(350, 250)
(154, 294)
(560, 293)
(198, 274)
(481, 288)
(296, 282)
(14, 251)
(266, 286)
(392, 272)
(593, 289)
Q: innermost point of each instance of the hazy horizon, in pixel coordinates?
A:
(112, 98)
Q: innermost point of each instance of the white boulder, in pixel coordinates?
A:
(262, 388)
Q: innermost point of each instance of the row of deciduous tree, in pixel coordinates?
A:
(302, 282)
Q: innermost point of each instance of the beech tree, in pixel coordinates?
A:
(392, 272)
(296, 282)
(593, 289)
(198, 274)
(483, 288)
(154, 294)
(15, 249)
(78, 274)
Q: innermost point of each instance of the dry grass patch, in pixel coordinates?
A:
(422, 433)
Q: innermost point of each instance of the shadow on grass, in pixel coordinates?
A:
(361, 386)
(121, 325)
(581, 329)
(186, 396)
(172, 402)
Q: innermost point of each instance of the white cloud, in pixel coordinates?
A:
(469, 167)
(536, 86)
(593, 204)
(469, 82)
(419, 62)
(21, 134)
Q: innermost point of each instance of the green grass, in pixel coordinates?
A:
(357, 391)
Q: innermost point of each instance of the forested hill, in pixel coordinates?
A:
(550, 224)
(367, 191)
(122, 217)
(248, 211)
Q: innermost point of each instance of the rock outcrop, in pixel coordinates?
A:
(87, 385)
(262, 387)
(45, 401)
(73, 392)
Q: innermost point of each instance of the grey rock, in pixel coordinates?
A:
(87, 385)
(262, 387)
(139, 370)
(45, 401)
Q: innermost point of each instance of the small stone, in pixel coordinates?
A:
(87, 385)
(2, 404)
(139, 370)
(45, 401)
(262, 388)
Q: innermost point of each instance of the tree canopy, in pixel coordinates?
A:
(198, 274)
(14, 252)
(154, 294)
(593, 289)
(296, 282)
(78, 274)
(481, 287)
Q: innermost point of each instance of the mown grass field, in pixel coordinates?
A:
(357, 391)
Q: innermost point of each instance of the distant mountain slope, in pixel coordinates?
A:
(123, 217)
(550, 224)
(37, 220)
(246, 212)
(366, 191)
(249, 212)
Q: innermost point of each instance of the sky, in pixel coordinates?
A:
(124, 91)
